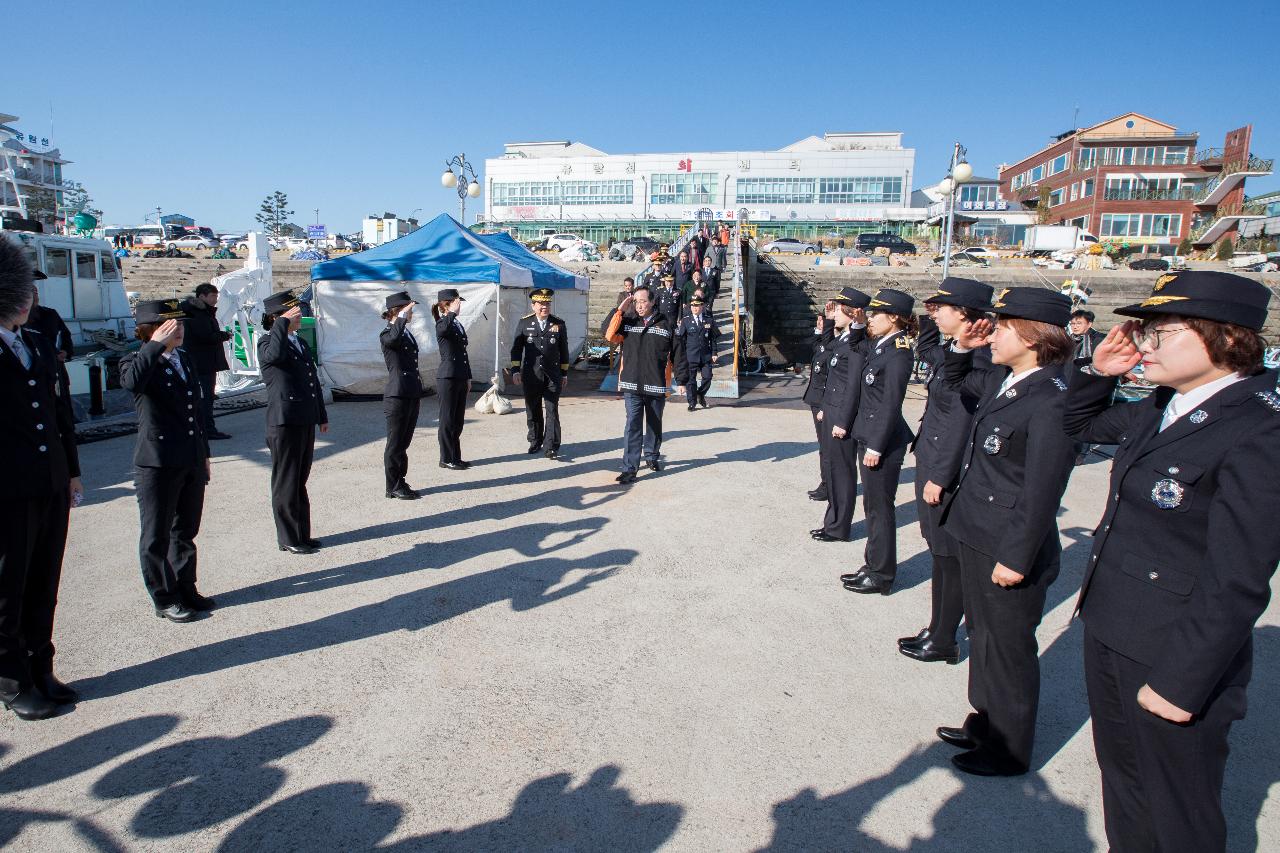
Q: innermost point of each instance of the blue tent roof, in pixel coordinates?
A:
(444, 251)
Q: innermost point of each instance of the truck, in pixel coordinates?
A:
(1043, 239)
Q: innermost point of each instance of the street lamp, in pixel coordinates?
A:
(464, 180)
(959, 173)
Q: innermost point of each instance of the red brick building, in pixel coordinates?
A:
(1136, 180)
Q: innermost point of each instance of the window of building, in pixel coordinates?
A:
(1141, 224)
(980, 194)
(1086, 188)
(775, 190)
(1088, 157)
(1175, 155)
(1080, 222)
(1055, 198)
(597, 192)
(525, 193)
(683, 188)
(859, 190)
(1148, 156)
(1019, 180)
(1058, 164)
(1037, 174)
(1075, 191)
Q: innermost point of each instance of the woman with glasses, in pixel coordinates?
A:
(1183, 557)
(883, 434)
(1003, 515)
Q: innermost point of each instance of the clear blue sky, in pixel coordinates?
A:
(352, 108)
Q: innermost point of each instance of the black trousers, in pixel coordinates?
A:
(541, 411)
(840, 474)
(33, 534)
(699, 379)
(170, 504)
(643, 432)
(402, 420)
(1004, 663)
(292, 450)
(947, 595)
(879, 492)
(1161, 781)
(817, 430)
(207, 381)
(453, 410)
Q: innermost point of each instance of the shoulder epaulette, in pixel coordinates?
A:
(1057, 380)
(902, 342)
(1270, 399)
(526, 317)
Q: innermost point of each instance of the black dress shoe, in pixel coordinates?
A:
(454, 466)
(868, 585)
(693, 405)
(195, 601)
(849, 577)
(627, 477)
(914, 641)
(956, 737)
(535, 447)
(654, 464)
(314, 543)
(216, 435)
(553, 453)
(403, 492)
(29, 704)
(929, 651)
(979, 762)
(54, 690)
(702, 400)
(176, 613)
(299, 549)
(818, 495)
(824, 536)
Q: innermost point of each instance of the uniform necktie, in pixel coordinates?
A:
(177, 365)
(20, 350)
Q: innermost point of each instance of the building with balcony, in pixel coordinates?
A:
(982, 216)
(1137, 180)
(29, 164)
(839, 183)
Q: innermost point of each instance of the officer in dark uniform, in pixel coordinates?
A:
(48, 322)
(402, 395)
(171, 458)
(540, 365)
(203, 341)
(695, 352)
(453, 377)
(668, 299)
(42, 483)
(882, 434)
(295, 407)
(1184, 555)
(824, 331)
(837, 413)
(1003, 514)
(939, 448)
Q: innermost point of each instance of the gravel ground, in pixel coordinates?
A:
(534, 658)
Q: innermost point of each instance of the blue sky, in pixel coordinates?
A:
(206, 108)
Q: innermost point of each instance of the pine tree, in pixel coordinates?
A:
(274, 213)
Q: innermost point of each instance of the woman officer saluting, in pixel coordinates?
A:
(1183, 557)
(1003, 515)
(883, 434)
(402, 396)
(453, 377)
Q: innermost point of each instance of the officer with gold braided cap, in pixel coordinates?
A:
(540, 365)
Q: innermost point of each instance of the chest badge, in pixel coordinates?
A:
(1199, 416)
(834, 359)
(1167, 494)
(993, 445)
(1011, 393)
(871, 379)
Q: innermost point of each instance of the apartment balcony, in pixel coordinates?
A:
(28, 176)
(1180, 194)
(1232, 175)
(1208, 232)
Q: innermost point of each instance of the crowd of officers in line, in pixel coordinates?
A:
(1181, 561)
(1180, 567)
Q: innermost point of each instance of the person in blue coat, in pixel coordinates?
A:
(453, 377)
(1184, 555)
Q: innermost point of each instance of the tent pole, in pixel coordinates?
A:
(497, 335)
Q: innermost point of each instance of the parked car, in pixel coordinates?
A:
(791, 244)
(871, 241)
(965, 259)
(560, 242)
(1161, 263)
(981, 252)
(633, 249)
(190, 241)
(234, 241)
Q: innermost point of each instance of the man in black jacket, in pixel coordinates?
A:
(203, 344)
(42, 483)
(171, 457)
(295, 407)
(48, 322)
(1086, 338)
(540, 365)
(646, 342)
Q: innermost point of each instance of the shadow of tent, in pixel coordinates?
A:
(525, 585)
(1030, 817)
(548, 814)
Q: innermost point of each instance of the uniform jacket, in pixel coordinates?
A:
(1083, 353)
(944, 429)
(695, 343)
(294, 395)
(452, 338)
(667, 303)
(646, 352)
(818, 367)
(49, 323)
(711, 280)
(843, 390)
(1016, 465)
(203, 338)
(1183, 557)
(400, 353)
(170, 427)
(886, 372)
(37, 428)
(541, 353)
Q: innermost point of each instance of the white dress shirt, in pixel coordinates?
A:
(1014, 378)
(1181, 404)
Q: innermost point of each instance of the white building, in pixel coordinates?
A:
(377, 230)
(29, 163)
(840, 183)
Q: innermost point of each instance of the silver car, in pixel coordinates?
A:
(791, 244)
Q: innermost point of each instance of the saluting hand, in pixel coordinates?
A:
(626, 304)
(1004, 576)
(1153, 702)
(1118, 354)
(167, 331)
(975, 333)
(294, 316)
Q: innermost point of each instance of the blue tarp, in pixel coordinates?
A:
(444, 251)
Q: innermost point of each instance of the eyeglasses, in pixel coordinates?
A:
(1155, 337)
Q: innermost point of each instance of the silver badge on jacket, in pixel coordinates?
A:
(1167, 494)
(993, 445)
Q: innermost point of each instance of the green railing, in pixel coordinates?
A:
(1247, 209)
(1235, 167)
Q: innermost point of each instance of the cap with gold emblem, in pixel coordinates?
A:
(892, 301)
(962, 293)
(852, 297)
(1209, 295)
(542, 295)
(157, 311)
(1033, 303)
(278, 303)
